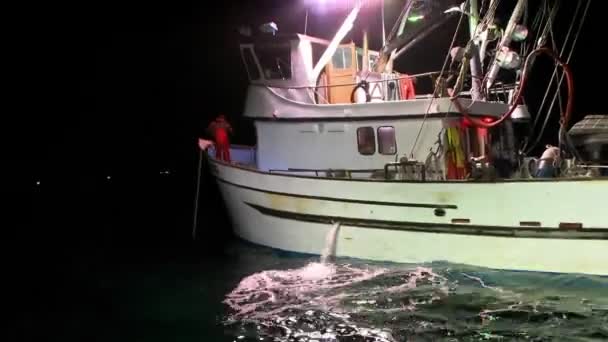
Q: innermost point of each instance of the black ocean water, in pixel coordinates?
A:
(117, 262)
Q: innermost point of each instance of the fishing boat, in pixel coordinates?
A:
(344, 140)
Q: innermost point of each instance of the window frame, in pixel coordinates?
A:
(342, 52)
(262, 51)
(373, 140)
(394, 140)
(248, 49)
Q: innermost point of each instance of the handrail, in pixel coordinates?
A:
(323, 170)
(350, 170)
(316, 171)
(424, 74)
(242, 147)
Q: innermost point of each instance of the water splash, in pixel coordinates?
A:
(329, 302)
(387, 303)
(267, 293)
(315, 302)
(329, 252)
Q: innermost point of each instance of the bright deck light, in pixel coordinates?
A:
(415, 18)
(341, 4)
(508, 59)
(520, 33)
(455, 9)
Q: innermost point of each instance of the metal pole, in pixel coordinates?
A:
(383, 28)
(365, 66)
(198, 186)
(306, 22)
(473, 17)
(475, 63)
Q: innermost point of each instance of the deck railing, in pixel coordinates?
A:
(348, 173)
(378, 88)
(499, 92)
(416, 171)
(414, 168)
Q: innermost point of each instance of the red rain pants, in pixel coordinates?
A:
(222, 145)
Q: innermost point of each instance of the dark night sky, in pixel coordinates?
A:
(117, 87)
(109, 83)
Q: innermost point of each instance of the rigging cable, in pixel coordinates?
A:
(524, 20)
(558, 92)
(539, 136)
(395, 29)
(537, 24)
(439, 78)
(529, 60)
(539, 42)
(486, 22)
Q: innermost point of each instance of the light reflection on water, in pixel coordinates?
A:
(389, 302)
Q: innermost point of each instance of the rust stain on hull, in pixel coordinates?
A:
(298, 205)
(444, 196)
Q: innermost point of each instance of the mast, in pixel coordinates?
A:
(473, 17)
(383, 25)
(306, 22)
(475, 63)
(365, 66)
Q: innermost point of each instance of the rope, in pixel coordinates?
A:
(490, 14)
(554, 75)
(198, 186)
(445, 62)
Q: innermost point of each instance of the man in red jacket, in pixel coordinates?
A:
(219, 129)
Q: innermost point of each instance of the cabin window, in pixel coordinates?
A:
(373, 60)
(252, 67)
(317, 52)
(275, 60)
(342, 58)
(386, 140)
(366, 141)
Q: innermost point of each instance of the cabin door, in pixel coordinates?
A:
(341, 70)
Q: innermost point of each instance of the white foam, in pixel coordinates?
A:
(294, 287)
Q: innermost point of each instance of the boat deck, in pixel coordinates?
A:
(245, 157)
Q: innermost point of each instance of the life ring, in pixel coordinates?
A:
(363, 85)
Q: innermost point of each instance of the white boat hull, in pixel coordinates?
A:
(547, 226)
